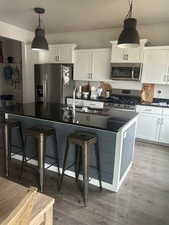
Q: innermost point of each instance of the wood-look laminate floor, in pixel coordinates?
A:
(142, 200)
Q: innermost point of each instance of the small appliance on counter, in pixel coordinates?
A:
(79, 92)
(94, 93)
(85, 95)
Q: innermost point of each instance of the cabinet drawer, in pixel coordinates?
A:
(148, 109)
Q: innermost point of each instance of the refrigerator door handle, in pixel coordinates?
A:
(45, 89)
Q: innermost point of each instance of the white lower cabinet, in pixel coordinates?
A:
(148, 127)
(153, 124)
(164, 131)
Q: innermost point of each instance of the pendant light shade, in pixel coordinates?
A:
(129, 37)
(39, 42)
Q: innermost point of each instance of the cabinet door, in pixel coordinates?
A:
(117, 55)
(101, 65)
(65, 54)
(133, 55)
(83, 65)
(148, 127)
(120, 55)
(164, 131)
(155, 66)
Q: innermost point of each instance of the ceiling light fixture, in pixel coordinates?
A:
(129, 37)
(39, 42)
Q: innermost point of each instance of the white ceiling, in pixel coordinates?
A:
(77, 15)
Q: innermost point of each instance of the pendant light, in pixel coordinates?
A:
(129, 37)
(39, 42)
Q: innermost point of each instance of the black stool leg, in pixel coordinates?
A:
(64, 164)
(77, 162)
(24, 158)
(97, 152)
(57, 154)
(6, 147)
(22, 142)
(85, 173)
(41, 152)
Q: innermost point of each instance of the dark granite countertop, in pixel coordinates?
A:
(154, 105)
(109, 119)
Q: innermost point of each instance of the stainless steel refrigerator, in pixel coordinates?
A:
(53, 82)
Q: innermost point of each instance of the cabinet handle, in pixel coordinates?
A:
(125, 57)
(91, 75)
(159, 121)
(147, 110)
(168, 78)
(58, 58)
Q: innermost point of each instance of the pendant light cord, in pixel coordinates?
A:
(129, 14)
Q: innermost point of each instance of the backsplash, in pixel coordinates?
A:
(127, 85)
(161, 91)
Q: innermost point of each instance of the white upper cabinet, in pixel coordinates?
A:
(92, 65)
(156, 66)
(101, 65)
(63, 53)
(83, 65)
(127, 55)
(119, 55)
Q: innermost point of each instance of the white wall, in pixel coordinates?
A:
(25, 36)
(13, 32)
(158, 34)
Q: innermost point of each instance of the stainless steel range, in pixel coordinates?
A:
(125, 102)
(124, 107)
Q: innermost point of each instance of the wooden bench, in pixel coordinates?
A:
(11, 194)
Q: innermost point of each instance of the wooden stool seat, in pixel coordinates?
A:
(81, 138)
(82, 141)
(40, 133)
(39, 130)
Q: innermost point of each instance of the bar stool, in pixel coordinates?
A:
(7, 125)
(83, 142)
(40, 133)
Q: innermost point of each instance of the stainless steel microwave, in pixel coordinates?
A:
(126, 71)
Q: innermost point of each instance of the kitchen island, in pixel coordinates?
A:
(115, 130)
